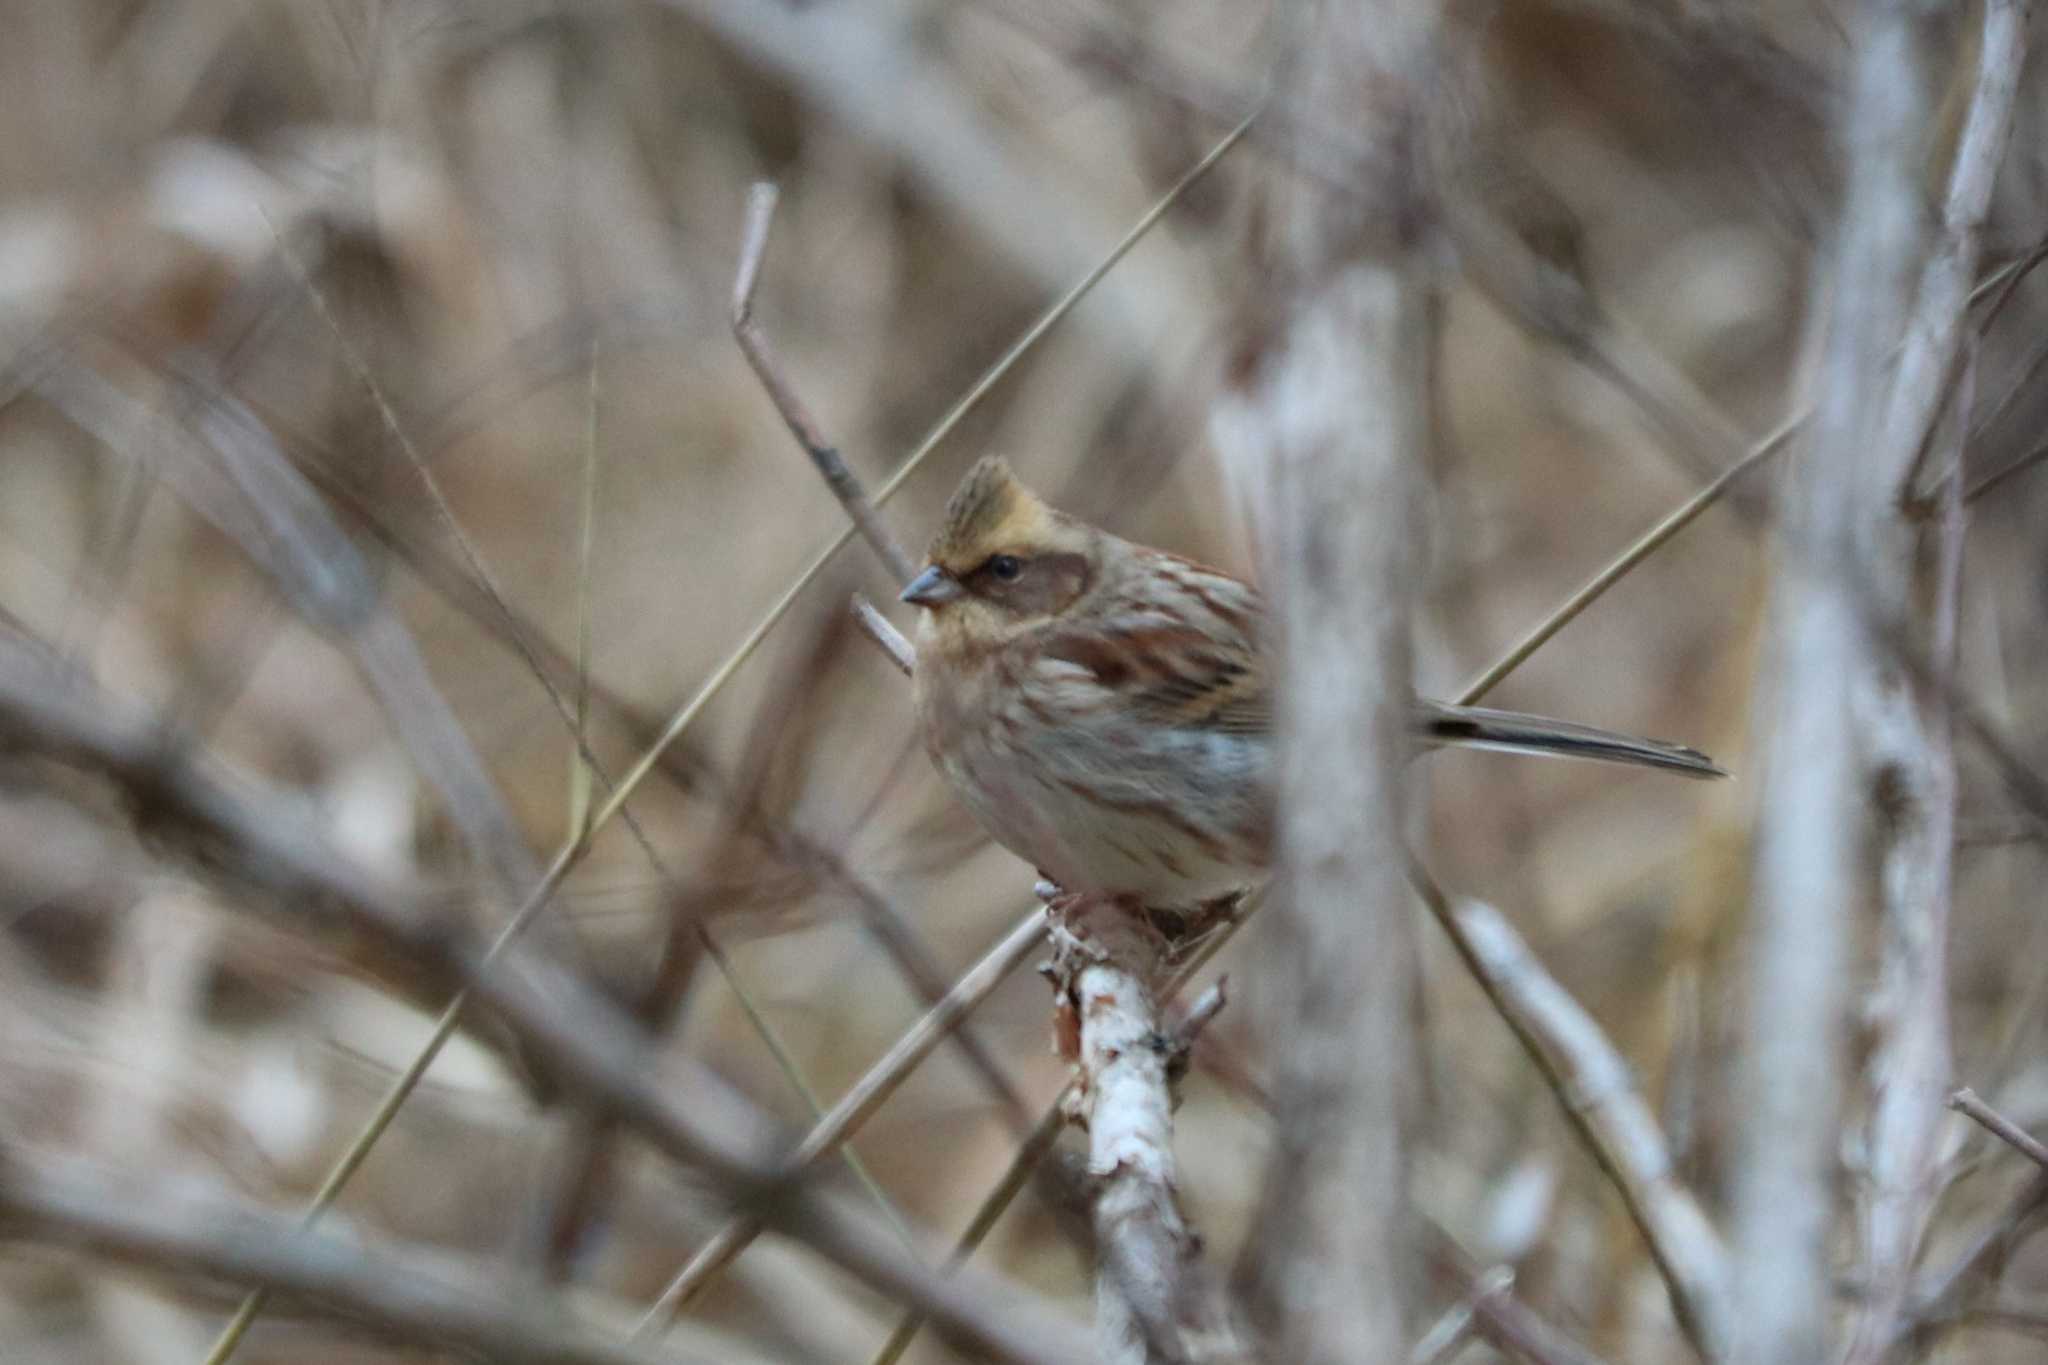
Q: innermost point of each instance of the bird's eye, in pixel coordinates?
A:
(1006, 567)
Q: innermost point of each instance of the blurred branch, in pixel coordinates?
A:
(1498, 1316)
(768, 368)
(682, 1108)
(1908, 726)
(1594, 1086)
(399, 1290)
(857, 1106)
(224, 464)
(1812, 812)
(1947, 1293)
(1966, 1102)
(1934, 330)
(1328, 419)
(863, 69)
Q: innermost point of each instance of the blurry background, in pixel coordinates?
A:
(503, 235)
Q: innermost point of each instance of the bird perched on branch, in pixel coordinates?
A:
(1105, 711)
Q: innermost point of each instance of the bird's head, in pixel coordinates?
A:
(1001, 563)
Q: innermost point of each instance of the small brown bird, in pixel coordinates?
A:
(1104, 710)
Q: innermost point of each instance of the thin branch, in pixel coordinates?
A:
(1965, 1101)
(1328, 420)
(1106, 961)
(1501, 1318)
(1042, 1136)
(1948, 1291)
(681, 1107)
(505, 623)
(399, 1290)
(1935, 329)
(854, 1108)
(1597, 1091)
(878, 628)
(1652, 540)
(1907, 728)
(767, 366)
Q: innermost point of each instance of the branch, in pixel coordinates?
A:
(399, 1290)
(1966, 1102)
(878, 628)
(1106, 964)
(767, 366)
(681, 1107)
(1595, 1087)
(1812, 811)
(1907, 727)
(1328, 421)
(858, 1105)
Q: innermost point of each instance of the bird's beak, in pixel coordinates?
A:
(934, 587)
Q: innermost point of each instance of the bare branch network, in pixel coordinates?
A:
(474, 879)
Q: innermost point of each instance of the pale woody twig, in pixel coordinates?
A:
(1106, 966)
(1491, 1312)
(1328, 424)
(1034, 1147)
(1965, 1101)
(1450, 1333)
(1906, 727)
(1836, 512)
(1600, 1098)
(899, 650)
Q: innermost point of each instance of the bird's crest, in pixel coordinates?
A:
(989, 506)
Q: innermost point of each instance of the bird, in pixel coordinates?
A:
(1104, 709)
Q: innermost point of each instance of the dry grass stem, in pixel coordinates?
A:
(856, 1107)
(1966, 1102)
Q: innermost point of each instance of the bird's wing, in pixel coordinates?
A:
(1181, 653)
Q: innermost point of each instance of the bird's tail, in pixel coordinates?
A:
(1479, 728)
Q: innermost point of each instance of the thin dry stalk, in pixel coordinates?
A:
(768, 368)
(867, 1095)
(1497, 1316)
(1966, 1102)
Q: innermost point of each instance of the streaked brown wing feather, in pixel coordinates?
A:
(1196, 666)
